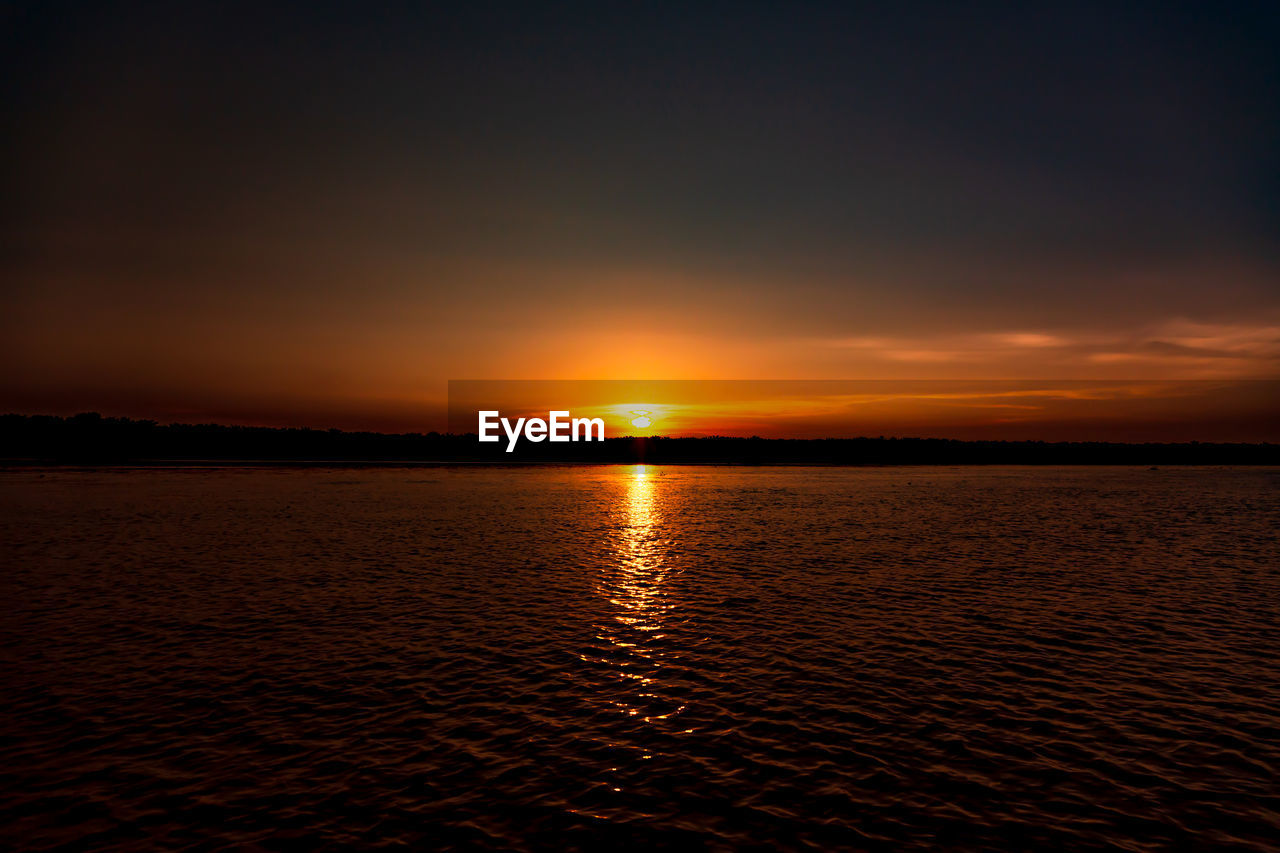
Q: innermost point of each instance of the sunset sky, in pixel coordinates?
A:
(320, 214)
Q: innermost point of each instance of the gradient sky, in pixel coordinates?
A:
(319, 214)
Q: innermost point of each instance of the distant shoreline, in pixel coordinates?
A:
(92, 440)
(196, 464)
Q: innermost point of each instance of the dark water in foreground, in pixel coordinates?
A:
(582, 657)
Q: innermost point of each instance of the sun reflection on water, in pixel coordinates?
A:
(637, 588)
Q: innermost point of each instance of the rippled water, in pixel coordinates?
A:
(580, 657)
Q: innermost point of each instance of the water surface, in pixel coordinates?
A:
(641, 657)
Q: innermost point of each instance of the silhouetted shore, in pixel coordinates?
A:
(93, 439)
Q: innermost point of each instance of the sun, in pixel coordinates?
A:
(639, 416)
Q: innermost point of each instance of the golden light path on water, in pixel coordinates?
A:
(637, 588)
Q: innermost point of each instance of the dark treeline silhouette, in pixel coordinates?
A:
(92, 439)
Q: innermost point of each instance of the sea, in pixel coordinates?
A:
(639, 657)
